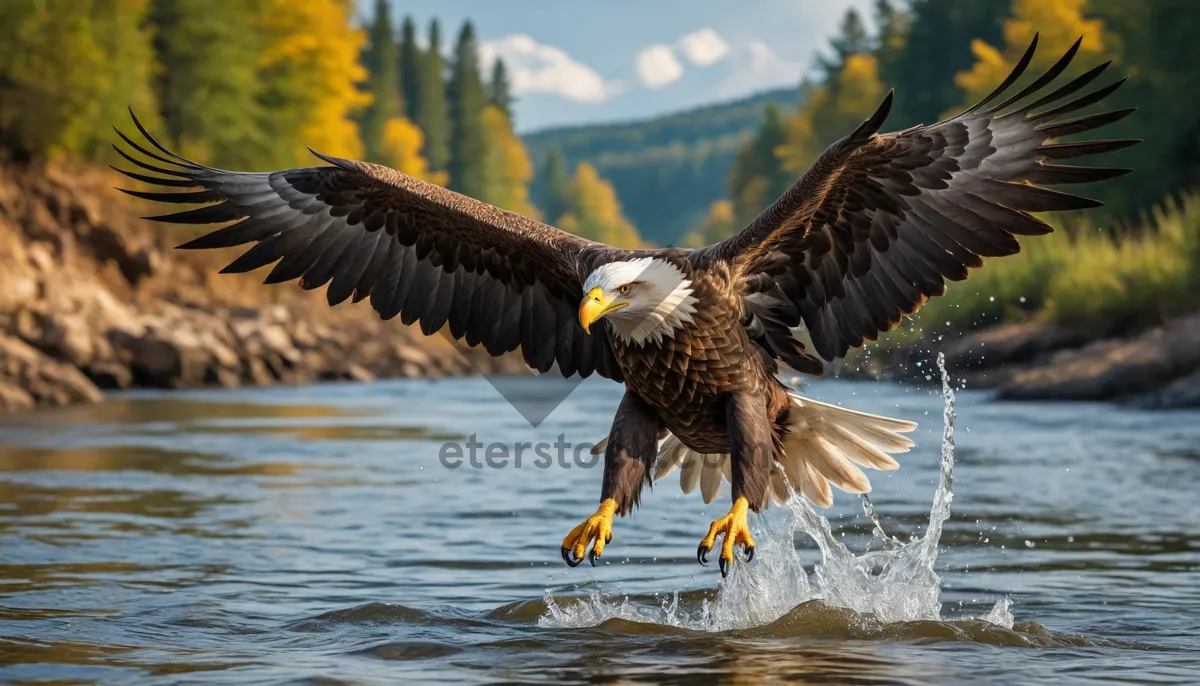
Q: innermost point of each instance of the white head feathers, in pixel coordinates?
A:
(660, 298)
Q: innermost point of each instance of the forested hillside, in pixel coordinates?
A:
(1132, 264)
(666, 170)
(248, 85)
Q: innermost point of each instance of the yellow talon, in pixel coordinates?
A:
(597, 527)
(736, 530)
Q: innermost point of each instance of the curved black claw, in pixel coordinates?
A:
(749, 553)
(592, 556)
(702, 555)
(570, 559)
(725, 565)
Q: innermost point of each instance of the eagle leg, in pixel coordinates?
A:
(629, 452)
(752, 446)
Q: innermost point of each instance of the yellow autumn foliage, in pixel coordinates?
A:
(1058, 25)
(832, 111)
(718, 224)
(594, 212)
(311, 63)
(509, 170)
(401, 142)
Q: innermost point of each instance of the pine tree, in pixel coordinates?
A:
(894, 26)
(433, 117)
(555, 182)
(758, 176)
(938, 47)
(499, 89)
(468, 146)
(410, 68)
(207, 83)
(383, 81)
(852, 39)
(1155, 40)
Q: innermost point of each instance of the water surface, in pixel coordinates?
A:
(311, 535)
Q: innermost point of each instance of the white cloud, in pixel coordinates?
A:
(539, 68)
(703, 47)
(756, 67)
(657, 66)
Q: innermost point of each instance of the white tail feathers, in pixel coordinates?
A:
(825, 444)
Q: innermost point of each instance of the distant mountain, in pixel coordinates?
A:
(666, 170)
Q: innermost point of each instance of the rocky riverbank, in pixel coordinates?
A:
(1157, 368)
(93, 298)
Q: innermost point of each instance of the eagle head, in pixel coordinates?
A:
(645, 299)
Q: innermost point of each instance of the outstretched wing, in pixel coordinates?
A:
(415, 249)
(879, 222)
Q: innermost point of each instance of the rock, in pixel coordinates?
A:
(1113, 369)
(414, 355)
(67, 337)
(257, 372)
(1179, 394)
(45, 380)
(163, 358)
(226, 378)
(357, 372)
(109, 374)
(13, 398)
(984, 358)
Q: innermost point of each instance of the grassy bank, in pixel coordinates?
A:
(1092, 278)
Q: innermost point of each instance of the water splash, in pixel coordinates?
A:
(894, 583)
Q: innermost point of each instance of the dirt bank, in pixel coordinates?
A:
(1158, 367)
(93, 298)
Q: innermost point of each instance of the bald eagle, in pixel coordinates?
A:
(876, 226)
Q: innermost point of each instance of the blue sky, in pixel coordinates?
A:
(575, 62)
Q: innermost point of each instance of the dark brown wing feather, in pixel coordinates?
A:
(880, 222)
(418, 251)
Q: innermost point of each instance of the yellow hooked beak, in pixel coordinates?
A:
(594, 306)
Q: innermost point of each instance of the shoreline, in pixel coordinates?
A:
(93, 298)
(1155, 368)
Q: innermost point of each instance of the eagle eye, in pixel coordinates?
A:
(624, 290)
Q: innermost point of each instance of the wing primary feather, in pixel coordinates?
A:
(1043, 80)
(130, 142)
(211, 214)
(1084, 123)
(1021, 196)
(1052, 174)
(189, 198)
(1062, 91)
(1078, 103)
(876, 120)
(1010, 79)
(1064, 151)
(153, 180)
(183, 161)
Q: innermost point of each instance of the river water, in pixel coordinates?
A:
(313, 535)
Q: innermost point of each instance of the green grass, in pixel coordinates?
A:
(1080, 277)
